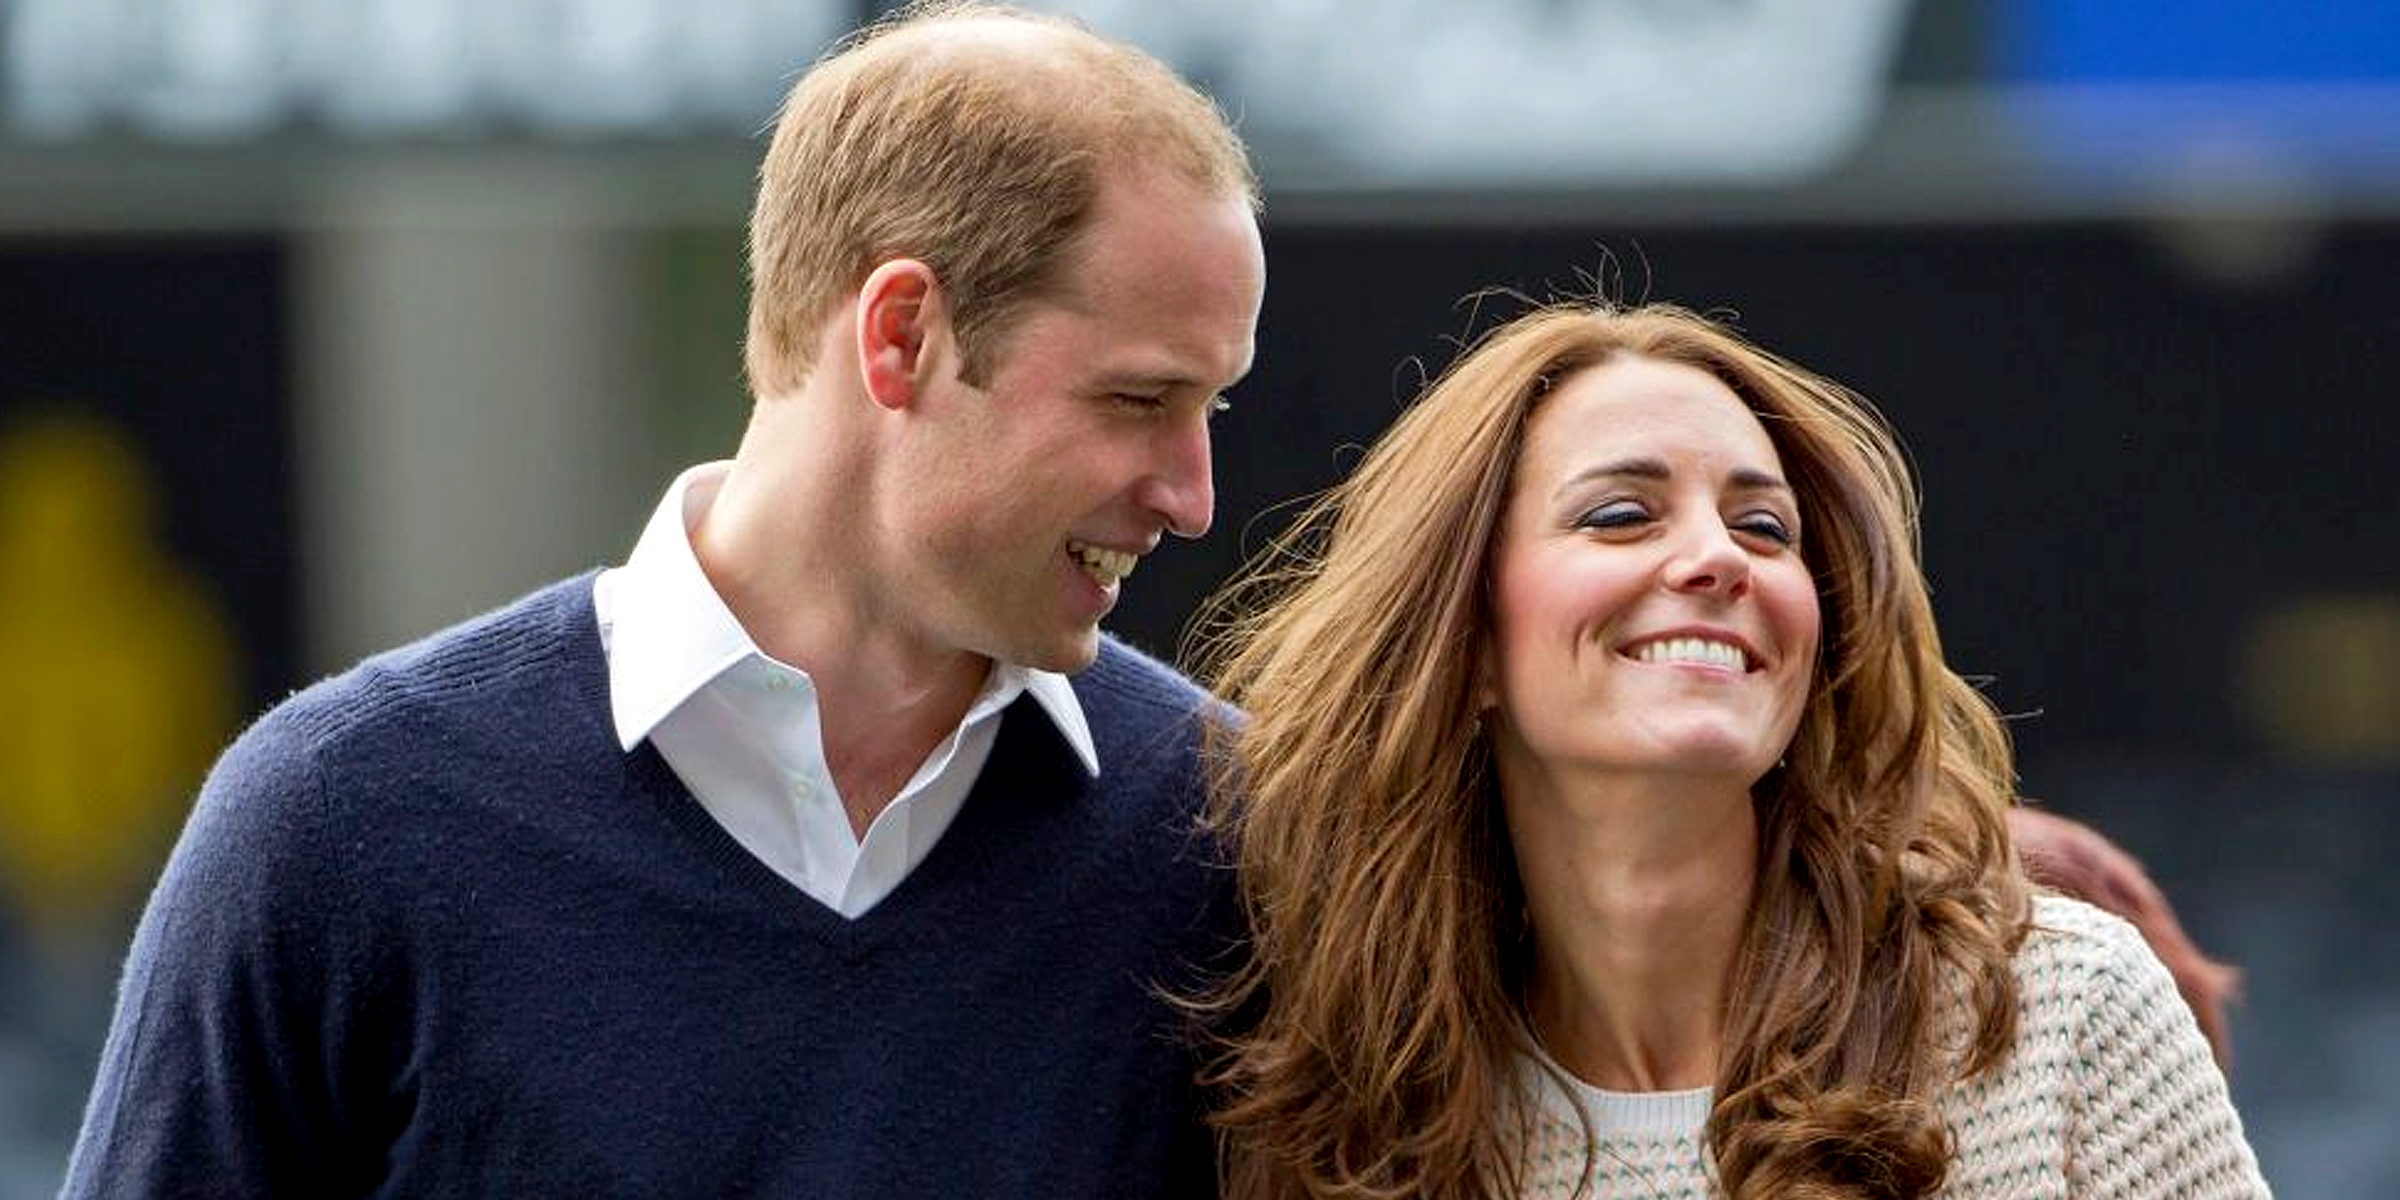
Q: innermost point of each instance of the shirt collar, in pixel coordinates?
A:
(1056, 696)
(671, 634)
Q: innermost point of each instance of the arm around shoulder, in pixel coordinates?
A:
(2153, 1116)
(226, 1063)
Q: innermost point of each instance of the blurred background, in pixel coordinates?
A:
(323, 325)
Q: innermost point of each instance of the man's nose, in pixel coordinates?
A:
(1182, 490)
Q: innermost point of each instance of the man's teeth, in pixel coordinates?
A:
(1694, 650)
(1104, 565)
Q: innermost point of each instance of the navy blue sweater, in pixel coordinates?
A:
(431, 932)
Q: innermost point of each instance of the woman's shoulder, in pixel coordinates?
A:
(2089, 987)
(2076, 968)
(2108, 1075)
(2077, 947)
(2102, 1029)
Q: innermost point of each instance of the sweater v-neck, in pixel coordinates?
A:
(1030, 764)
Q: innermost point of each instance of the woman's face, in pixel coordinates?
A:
(1651, 611)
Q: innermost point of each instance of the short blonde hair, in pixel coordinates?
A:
(973, 137)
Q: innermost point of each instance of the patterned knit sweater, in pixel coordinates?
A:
(2109, 1092)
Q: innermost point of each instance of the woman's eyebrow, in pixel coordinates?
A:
(1623, 468)
(1759, 481)
(1743, 479)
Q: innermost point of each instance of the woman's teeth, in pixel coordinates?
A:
(1694, 650)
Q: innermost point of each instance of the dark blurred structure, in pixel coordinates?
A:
(404, 309)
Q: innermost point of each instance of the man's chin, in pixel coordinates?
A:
(1085, 651)
(1066, 654)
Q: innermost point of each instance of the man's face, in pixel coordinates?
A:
(1089, 439)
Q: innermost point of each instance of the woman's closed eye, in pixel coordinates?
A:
(1614, 514)
(1767, 525)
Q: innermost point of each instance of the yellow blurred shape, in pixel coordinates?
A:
(2321, 680)
(115, 676)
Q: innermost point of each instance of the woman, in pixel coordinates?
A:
(1609, 823)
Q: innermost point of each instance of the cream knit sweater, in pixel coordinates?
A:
(2109, 1092)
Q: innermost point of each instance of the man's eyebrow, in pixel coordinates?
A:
(1150, 381)
(1165, 381)
(1744, 479)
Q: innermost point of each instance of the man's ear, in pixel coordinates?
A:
(898, 306)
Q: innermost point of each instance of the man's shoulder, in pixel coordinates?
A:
(477, 672)
(1141, 709)
(1126, 683)
(408, 732)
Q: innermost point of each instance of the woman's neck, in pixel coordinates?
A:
(1638, 893)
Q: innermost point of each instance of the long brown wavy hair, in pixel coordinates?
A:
(1377, 1025)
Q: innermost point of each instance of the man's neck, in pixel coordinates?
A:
(885, 699)
(879, 727)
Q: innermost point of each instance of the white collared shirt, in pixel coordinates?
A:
(741, 729)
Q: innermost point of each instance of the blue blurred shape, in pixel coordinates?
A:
(2235, 99)
(2199, 41)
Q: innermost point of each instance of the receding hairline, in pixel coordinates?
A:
(970, 135)
(996, 41)
(1035, 58)
(1006, 30)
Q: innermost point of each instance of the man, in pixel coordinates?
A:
(782, 860)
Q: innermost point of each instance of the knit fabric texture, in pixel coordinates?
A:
(431, 932)
(2109, 1091)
